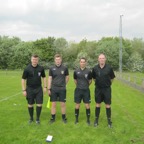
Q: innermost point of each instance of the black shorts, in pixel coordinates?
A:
(34, 95)
(82, 94)
(103, 95)
(58, 95)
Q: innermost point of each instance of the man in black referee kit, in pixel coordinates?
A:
(32, 87)
(57, 80)
(82, 78)
(103, 76)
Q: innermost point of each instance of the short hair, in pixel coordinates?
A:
(57, 56)
(102, 54)
(83, 58)
(35, 55)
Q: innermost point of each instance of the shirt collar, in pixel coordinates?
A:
(100, 67)
(82, 69)
(35, 66)
(58, 66)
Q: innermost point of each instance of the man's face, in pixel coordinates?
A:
(82, 63)
(101, 59)
(34, 61)
(58, 61)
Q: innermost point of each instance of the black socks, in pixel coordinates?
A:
(76, 113)
(63, 116)
(53, 116)
(108, 113)
(97, 112)
(31, 110)
(38, 111)
(88, 114)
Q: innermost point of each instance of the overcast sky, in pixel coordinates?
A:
(72, 19)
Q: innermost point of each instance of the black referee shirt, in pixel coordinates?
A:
(82, 77)
(58, 74)
(103, 75)
(33, 75)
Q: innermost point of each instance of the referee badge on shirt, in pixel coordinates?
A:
(62, 72)
(39, 73)
(78, 72)
(86, 75)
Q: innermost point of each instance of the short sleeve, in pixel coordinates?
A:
(74, 75)
(50, 72)
(112, 75)
(25, 74)
(43, 73)
(66, 72)
(93, 73)
(90, 75)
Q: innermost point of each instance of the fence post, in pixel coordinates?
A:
(120, 76)
(129, 79)
(135, 80)
(143, 83)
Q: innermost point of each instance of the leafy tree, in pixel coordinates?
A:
(138, 46)
(70, 54)
(6, 50)
(91, 47)
(16, 54)
(82, 45)
(86, 49)
(22, 55)
(46, 49)
(60, 45)
(110, 47)
(135, 62)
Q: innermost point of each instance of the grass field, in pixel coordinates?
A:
(127, 117)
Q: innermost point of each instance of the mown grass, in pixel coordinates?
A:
(127, 117)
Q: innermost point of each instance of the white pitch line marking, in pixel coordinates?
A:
(3, 99)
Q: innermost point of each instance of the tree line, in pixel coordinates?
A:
(15, 53)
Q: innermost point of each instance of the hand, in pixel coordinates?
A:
(25, 93)
(49, 92)
(44, 89)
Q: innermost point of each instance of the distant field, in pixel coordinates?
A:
(127, 117)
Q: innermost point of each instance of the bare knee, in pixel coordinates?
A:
(87, 105)
(98, 105)
(77, 106)
(62, 104)
(107, 106)
(53, 104)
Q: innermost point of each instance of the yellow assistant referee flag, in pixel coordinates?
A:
(49, 103)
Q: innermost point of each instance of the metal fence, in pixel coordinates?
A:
(134, 81)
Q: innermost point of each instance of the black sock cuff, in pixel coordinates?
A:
(63, 116)
(53, 116)
(88, 110)
(30, 107)
(38, 107)
(76, 110)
